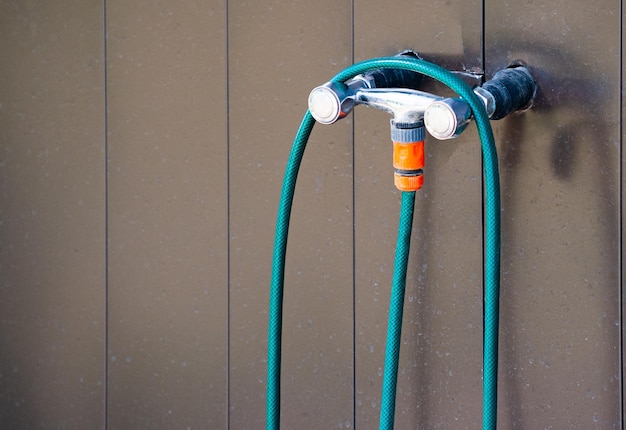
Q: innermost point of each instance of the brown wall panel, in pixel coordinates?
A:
(277, 53)
(52, 219)
(202, 101)
(439, 381)
(560, 354)
(167, 196)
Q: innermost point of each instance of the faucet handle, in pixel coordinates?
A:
(332, 101)
(447, 118)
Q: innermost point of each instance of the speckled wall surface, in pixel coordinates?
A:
(142, 147)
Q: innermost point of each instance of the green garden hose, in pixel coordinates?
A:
(491, 276)
(278, 274)
(396, 306)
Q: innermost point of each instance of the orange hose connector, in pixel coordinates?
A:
(408, 162)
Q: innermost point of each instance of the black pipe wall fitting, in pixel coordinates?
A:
(509, 91)
(513, 89)
(395, 78)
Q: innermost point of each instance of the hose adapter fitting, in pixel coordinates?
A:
(408, 155)
(407, 130)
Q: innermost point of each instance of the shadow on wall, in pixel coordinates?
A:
(559, 167)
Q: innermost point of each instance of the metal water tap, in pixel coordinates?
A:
(329, 102)
(510, 90)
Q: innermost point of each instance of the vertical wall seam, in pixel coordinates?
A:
(353, 237)
(228, 235)
(620, 218)
(106, 217)
(483, 38)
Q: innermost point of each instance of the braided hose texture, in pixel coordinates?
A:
(491, 276)
(396, 306)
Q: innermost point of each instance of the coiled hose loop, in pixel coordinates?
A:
(491, 245)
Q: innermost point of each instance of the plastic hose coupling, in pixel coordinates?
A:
(408, 155)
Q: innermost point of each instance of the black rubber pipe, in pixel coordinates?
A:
(397, 78)
(513, 89)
